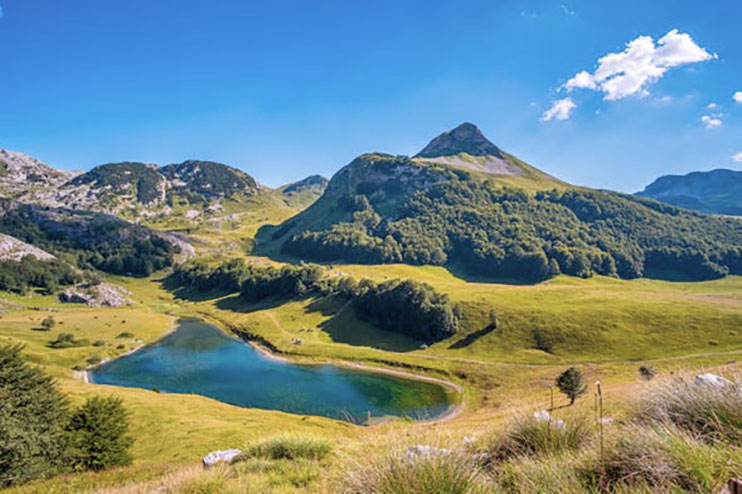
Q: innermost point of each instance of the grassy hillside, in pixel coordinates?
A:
(610, 326)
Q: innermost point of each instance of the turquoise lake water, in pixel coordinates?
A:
(200, 359)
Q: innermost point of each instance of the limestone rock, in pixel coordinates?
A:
(216, 457)
(712, 380)
(101, 295)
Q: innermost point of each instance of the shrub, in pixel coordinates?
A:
(398, 473)
(647, 372)
(32, 417)
(712, 412)
(94, 359)
(98, 433)
(99, 343)
(125, 334)
(527, 437)
(48, 323)
(571, 383)
(67, 340)
(288, 447)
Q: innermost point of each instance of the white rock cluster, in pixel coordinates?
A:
(216, 457)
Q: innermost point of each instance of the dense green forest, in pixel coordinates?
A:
(88, 240)
(408, 307)
(469, 220)
(29, 273)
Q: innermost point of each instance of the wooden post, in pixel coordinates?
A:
(551, 406)
(600, 429)
(734, 486)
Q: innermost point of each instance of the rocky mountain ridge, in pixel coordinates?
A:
(21, 174)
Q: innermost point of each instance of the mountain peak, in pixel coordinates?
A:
(466, 138)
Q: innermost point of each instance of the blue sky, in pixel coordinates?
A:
(295, 88)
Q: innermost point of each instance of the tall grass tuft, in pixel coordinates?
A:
(526, 436)
(289, 447)
(711, 412)
(437, 473)
(663, 455)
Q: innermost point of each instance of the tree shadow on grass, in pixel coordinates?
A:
(345, 327)
(237, 303)
(342, 326)
(472, 337)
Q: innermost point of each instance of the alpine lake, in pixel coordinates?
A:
(198, 358)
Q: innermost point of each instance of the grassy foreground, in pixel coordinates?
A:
(607, 326)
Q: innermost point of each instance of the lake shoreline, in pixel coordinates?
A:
(85, 374)
(455, 407)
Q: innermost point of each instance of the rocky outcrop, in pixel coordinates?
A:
(466, 138)
(21, 174)
(12, 249)
(216, 457)
(712, 380)
(100, 295)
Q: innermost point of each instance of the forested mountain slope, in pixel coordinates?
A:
(493, 215)
(89, 240)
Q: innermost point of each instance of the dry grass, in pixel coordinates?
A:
(526, 436)
(713, 413)
(399, 473)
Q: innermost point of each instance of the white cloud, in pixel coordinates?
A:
(566, 10)
(737, 158)
(560, 110)
(641, 64)
(712, 121)
(737, 97)
(712, 106)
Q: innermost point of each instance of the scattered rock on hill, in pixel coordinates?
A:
(21, 174)
(216, 457)
(101, 295)
(712, 380)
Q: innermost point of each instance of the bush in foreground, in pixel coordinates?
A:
(32, 418)
(99, 435)
(289, 447)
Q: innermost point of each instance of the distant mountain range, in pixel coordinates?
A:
(462, 202)
(716, 191)
(465, 203)
(192, 190)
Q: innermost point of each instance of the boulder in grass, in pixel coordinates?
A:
(712, 380)
(544, 416)
(216, 457)
(425, 451)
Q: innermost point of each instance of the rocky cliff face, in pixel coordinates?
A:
(21, 174)
(12, 249)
